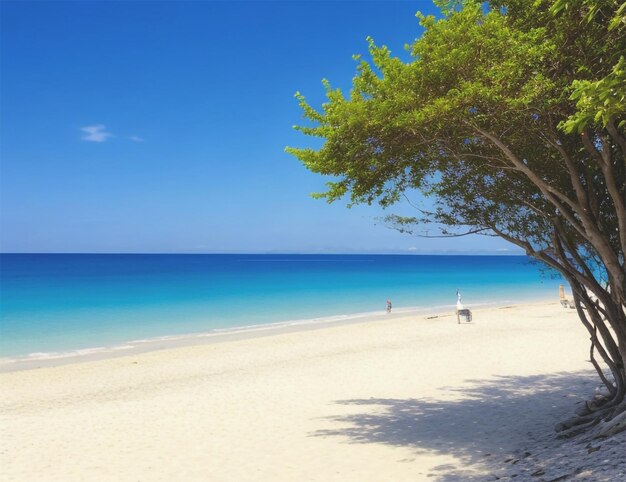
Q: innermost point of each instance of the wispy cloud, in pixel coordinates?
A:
(136, 138)
(96, 133)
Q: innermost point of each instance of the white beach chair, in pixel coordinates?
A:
(465, 314)
(461, 311)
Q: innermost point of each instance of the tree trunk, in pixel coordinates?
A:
(605, 414)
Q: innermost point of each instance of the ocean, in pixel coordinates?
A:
(52, 304)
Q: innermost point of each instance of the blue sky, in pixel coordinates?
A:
(160, 126)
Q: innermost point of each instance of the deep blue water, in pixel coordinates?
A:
(60, 302)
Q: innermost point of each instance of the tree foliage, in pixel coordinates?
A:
(511, 116)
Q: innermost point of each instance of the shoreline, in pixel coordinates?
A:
(220, 335)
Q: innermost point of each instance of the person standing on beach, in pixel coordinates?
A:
(388, 306)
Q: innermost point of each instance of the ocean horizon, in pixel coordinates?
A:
(55, 305)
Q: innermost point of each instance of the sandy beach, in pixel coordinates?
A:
(408, 398)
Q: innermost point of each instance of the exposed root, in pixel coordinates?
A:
(577, 429)
(612, 426)
(610, 420)
(593, 405)
(566, 425)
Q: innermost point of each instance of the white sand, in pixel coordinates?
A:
(393, 400)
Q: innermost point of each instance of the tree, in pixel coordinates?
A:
(511, 117)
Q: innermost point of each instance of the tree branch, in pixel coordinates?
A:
(589, 230)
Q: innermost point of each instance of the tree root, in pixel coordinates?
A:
(610, 420)
(566, 425)
(594, 405)
(586, 416)
(613, 426)
(577, 429)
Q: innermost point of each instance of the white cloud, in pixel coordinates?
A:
(97, 133)
(136, 138)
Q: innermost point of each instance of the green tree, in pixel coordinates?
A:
(511, 118)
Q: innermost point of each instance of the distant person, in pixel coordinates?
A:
(388, 306)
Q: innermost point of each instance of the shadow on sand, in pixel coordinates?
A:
(484, 424)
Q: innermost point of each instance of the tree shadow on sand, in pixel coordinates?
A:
(484, 425)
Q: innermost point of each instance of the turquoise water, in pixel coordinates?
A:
(61, 302)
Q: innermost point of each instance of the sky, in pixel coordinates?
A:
(160, 127)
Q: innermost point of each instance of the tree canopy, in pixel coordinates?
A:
(511, 116)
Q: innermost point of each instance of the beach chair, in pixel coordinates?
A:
(465, 314)
(565, 303)
(461, 311)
